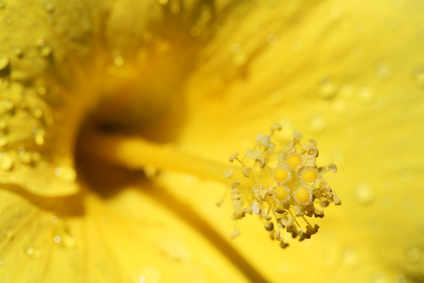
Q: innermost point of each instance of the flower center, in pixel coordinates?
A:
(279, 183)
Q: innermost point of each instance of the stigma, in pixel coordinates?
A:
(282, 184)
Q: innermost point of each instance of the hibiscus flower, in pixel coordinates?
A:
(117, 119)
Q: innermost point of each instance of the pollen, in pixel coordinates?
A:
(282, 184)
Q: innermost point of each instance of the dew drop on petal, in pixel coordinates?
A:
(418, 75)
(327, 88)
(3, 124)
(39, 135)
(66, 172)
(364, 194)
(57, 239)
(317, 123)
(235, 48)
(163, 2)
(383, 71)
(413, 254)
(400, 278)
(4, 61)
(24, 155)
(6, 161)
(45, 49)
(118, 61)
(3, 139)
(8, 234)
(2, 5)
(17, 51)
(32, 252)
(149, 274)
(365, 95)
(379, 277)
(49, 6)
(350, 258)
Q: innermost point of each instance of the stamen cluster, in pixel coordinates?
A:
(282, 185)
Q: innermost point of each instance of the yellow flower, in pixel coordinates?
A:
(204, 78)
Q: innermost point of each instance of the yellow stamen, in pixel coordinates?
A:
(136, 153)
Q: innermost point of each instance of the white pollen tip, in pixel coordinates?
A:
(233, 156)
(261, 161)
(256, 208)
(246, 171)
(276, 127)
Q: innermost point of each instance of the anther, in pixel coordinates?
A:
(233, 156)
(246, 171)
(261, 161)
(282, 183)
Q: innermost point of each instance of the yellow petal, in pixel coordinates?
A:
(40, 110)
(126, 236)
(349, 75)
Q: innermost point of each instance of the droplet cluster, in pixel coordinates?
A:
(281, 184)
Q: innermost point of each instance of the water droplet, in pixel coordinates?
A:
(365, 94)
(400, 278)
(53, 219)
(379, 277)
(41, 90)
(413, 254)
(3, 139)
(33, 252)
(317, 123)
(39, 136)
(8, 234)
(4, 61)
(6, 161)
(163, 2)
(418, 74)
(37, 112)
(364, 194)
(175, 8)
(57, 239)
(235, 48)
(383, 71)
(66, 172)
(147, 37)
(17, 51)
(339, 106)
(350, 258)
(149, 274)
(2, 5)
(24, 155)
(239, 60)
(45, 49)
(327, 88)
(118, 61)
(49, 6)
(195, 31)
(3, 124)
